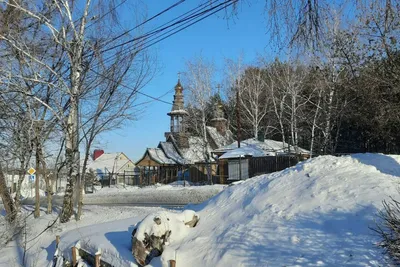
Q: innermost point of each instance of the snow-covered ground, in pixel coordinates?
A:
(158, 194)
(317, 213)
(106, 227)
(171, 193)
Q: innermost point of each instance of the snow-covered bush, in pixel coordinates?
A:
(158, 230)
(388, 228)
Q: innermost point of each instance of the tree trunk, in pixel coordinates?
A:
(37, 165)
(21, 177)
(314, 124)
(8, 203)
(49, 185)
(328, 126)
(72, 160)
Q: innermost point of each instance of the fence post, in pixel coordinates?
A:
(97, 259)
(57, 240)
(240, 167)
(74, 249)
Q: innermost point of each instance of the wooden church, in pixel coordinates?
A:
(183, 156)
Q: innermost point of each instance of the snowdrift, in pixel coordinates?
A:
(314, 214)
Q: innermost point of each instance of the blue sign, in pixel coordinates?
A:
(32, 178)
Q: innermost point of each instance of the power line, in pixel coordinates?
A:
(134, 90)
(105, 14)
(190, 20)
(152, 32)
(146, 21)
(224, 5)
(181, 29)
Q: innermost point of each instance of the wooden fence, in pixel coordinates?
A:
(268, 164)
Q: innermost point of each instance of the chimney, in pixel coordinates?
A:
(97, 153)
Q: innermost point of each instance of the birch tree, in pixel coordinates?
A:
(253, 96)
(199, 83)
(85, 56)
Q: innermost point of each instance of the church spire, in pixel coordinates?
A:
(177, 114)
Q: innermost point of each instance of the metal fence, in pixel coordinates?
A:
(125, 178)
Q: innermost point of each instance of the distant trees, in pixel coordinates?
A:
(321, 106)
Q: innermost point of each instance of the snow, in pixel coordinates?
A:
(249, 150)
(178, 112)
(159, 156)
(171, 152)
(110, 162)
(271, 147)
(27, 186)
(317, 213)
(170, 221)
(219, 139)
(195, 152)
(175, 193)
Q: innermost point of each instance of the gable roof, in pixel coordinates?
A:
(157, 155)
(250, 150)
(219, 139)
(171, 151)
(109, 162)
(195, 152)
(268, 145)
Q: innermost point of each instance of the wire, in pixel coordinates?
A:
(147, 43)
(228, 2)
(146, 21)
(156, 30)
(105, 14)
(147, 46)
(134, 90)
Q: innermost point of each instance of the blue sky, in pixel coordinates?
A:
(214, 38)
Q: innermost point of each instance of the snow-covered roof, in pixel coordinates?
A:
(268, 145)
(196, 150)
(158, 155)
(219, 139)
(249, 150)
(178, 112)
(171, 152)
(109, 162)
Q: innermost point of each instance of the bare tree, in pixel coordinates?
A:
(86, 58)
(108, 106)
(253, 96)
(199, 82)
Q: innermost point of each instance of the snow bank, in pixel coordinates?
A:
(314, 214)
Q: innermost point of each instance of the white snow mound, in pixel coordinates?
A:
(314, 214)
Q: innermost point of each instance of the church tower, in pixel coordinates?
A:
(177, 114)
